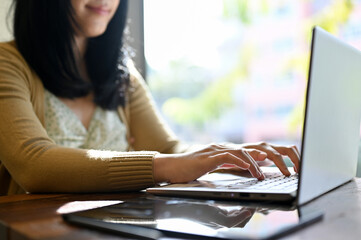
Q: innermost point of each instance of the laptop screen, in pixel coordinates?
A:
(332, 117)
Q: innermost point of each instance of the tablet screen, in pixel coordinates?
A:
(216, 219)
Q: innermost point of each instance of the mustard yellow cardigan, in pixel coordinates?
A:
(31, 162)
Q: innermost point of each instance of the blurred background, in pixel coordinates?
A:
(236, 70)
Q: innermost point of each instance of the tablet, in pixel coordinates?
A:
(157, 217)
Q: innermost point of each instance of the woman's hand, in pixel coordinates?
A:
(275, 153)
(185, 167)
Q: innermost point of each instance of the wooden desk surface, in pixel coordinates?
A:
(39, 216)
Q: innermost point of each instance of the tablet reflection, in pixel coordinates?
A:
(183, 215)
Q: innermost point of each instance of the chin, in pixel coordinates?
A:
(94, 31)
(94, 35)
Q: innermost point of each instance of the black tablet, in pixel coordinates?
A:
(157, 217)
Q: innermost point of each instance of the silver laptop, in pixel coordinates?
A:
(331, 134)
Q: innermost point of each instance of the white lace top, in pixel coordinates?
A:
(105, 131)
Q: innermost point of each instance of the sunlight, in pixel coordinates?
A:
(84, 205)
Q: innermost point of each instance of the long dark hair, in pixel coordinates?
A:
(44, 35)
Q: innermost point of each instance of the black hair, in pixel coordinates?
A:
(44, 35)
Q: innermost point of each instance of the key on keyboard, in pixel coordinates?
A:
(272, 181)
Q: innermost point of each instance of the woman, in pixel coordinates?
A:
(76, 117)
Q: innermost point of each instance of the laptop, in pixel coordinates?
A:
(331, 134)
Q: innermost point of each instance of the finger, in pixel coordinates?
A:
(244, 161)
(298, 152)
(274, 156)
(292, 153)
(257, 154)
(277, 158)
(229, 158)
(254, 169)
(294, 148)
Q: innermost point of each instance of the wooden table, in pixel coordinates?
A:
(38, 216)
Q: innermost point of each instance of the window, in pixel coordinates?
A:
(236, 70)
(4, 26)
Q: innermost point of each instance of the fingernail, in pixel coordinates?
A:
(262, 176)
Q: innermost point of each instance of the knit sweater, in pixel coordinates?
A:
(31, 162)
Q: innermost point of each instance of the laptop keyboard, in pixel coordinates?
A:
(274, 181)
